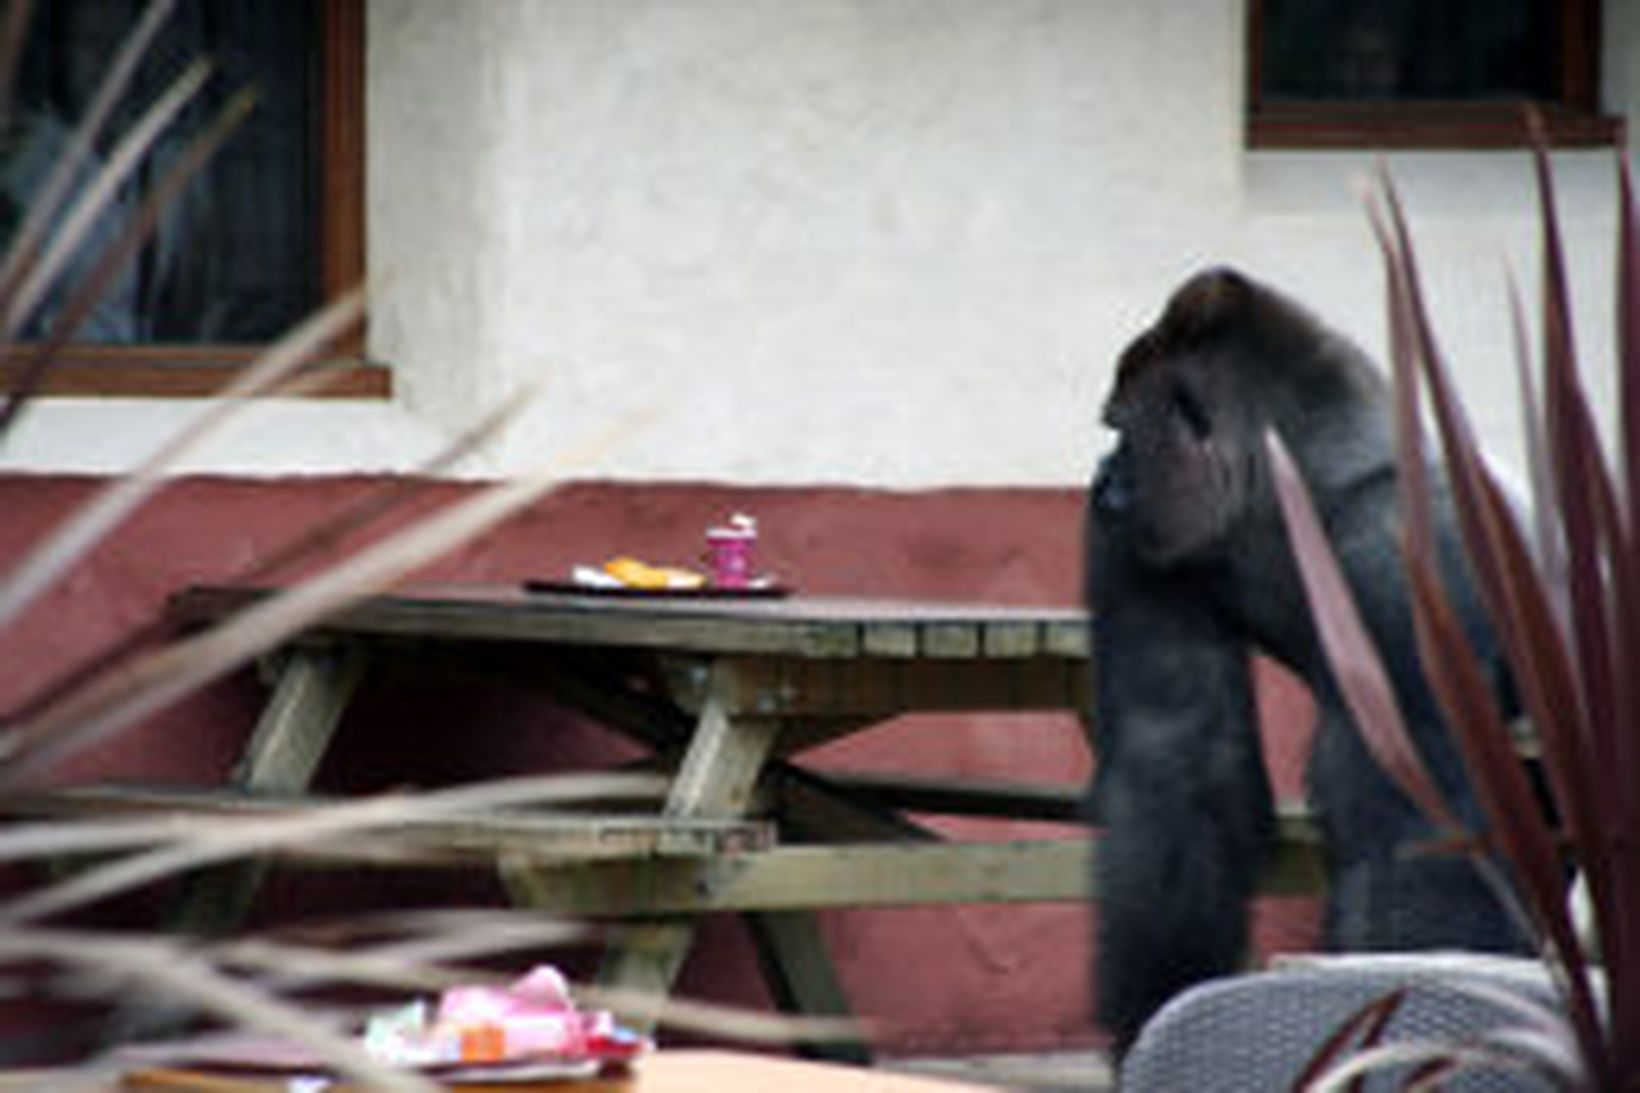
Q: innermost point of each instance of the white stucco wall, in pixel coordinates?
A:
(890, 244)
(885, 243)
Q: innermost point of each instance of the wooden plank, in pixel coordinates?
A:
(799, 734)
(801, 626)
(295, 728)
(596, 691)
(590, 625)
(1071, 638)
(313, 687)
(527, 837)
(864, 688)
(502, 613)
(801, 979)
(963, 796)
(815, 807)
(868, 875)
(1296, 868)
(724, 758)
(983, 685)
(876, 688)
(817, 877)
(950, 639)
(433, 603)
(669, 1070)
(177, 1079)
(1047, 682)
(889, 638)
(129, 371)
(1001, 640)
(717, 778)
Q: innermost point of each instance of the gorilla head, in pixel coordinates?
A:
(1194, 394)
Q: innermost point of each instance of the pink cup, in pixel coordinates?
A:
(729, 549)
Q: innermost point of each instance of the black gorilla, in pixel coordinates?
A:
(1188, 569)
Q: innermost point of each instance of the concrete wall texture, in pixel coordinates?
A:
(842, 241)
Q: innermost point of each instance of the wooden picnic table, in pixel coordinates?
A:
(730, 691)
(667, 1071)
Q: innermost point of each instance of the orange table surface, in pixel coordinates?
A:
(663, 1072)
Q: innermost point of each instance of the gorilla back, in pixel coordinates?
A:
(1188, 570)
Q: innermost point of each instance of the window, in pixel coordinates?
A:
(270, 228)
(1423, 73)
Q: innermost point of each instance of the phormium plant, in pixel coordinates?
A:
(1562, 588)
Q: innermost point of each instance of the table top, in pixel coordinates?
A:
(804, 626)
(684, 1071)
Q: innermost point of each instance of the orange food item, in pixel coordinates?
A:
(485, 1043)
(635, 574)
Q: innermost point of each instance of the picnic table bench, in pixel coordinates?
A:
(727, 692)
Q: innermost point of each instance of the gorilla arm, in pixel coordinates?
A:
(1181, 789)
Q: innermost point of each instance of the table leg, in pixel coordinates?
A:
(715, 780)
(800, 975)
(296, 726)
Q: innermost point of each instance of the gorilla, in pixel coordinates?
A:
(1188, 569)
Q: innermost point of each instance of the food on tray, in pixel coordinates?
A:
(629, 572)
(532, 1019)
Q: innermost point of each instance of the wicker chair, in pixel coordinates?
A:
(1257, 1032)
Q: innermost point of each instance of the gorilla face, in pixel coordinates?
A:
(1193, 396)
(1175, 478)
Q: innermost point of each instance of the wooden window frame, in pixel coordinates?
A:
(1572, 120)
(192, 371)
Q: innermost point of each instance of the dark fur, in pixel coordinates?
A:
(1188, 569)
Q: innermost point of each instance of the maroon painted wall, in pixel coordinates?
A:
(937, 980)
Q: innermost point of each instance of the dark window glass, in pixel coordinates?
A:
(1400, 50)
(236, 258)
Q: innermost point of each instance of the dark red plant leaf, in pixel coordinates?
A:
(1551, 556)
(1618, 907)
(1516, 826)
(1481, 505)
(1362, 1029)
(1414, 496)
(1430, 1075)
(1604, 588)
(1579, 470)
(1517, 598)
(1523, 616)
(1503, 566)
(1628, 335)
(1359, 671)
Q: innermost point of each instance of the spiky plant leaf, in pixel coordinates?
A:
(1567, 615)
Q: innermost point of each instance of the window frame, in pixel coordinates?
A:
(193, 371)
(1573, 120)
